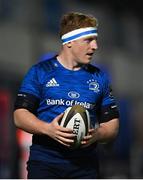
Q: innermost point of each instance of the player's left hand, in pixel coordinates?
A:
(90, 138)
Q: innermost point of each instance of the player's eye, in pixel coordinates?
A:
(89, 40)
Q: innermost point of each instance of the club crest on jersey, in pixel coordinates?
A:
(93, 85)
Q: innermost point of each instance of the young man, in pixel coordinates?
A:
(49, 88)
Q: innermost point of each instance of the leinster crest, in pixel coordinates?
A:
(93, 85)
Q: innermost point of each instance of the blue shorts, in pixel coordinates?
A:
(78, 170)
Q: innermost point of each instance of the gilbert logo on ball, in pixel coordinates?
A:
(77, 119)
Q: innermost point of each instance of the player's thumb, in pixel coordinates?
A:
(59, 118)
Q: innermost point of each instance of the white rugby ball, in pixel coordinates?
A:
(76, 118)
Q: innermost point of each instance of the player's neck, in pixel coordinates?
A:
(68, 61)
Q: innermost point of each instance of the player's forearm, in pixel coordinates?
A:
(107, 131)
(27, 121)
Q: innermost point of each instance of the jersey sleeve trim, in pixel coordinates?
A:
(108, 113)
(27, 101)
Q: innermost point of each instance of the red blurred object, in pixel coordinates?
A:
(4, 133)
(24, 140)
(4, 124)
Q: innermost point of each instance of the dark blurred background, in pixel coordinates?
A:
(29, 30)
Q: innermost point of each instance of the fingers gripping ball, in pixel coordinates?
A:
(77, 119)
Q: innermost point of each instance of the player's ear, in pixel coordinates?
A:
(69, 44)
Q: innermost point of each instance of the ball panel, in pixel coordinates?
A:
(77, 119)
(85, 115)
(77, 124)
(65, 120)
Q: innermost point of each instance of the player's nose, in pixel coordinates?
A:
(94, 45)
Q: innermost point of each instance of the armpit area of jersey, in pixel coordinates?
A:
(108, 112)
(27, 101)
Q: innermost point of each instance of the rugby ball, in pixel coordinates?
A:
(76, 118)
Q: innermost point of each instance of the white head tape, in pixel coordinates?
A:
(79, 33)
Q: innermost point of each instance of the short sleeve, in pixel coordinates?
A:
(109, 109)
(108, 97)
(30, 83)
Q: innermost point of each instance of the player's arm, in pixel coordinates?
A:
(25, 119)
(108, 123)
(28, 122)
(108, 126)
(108, 115)
(106, 132)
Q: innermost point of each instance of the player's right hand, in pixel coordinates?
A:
(61, 134)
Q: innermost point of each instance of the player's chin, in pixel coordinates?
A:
(87, 61)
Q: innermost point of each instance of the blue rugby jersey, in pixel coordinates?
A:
(57, 88)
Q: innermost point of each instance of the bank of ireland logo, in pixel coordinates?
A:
(93, 85)
(73, 94)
